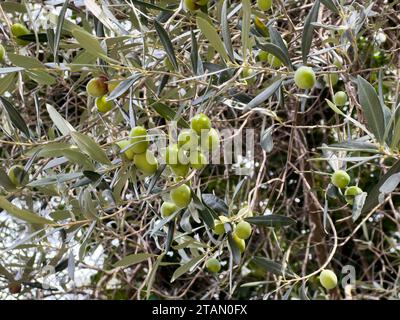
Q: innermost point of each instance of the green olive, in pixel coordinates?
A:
(331, 79)
(181, 196)
(219, 227)
(18, 176)
(103, 105)
(340, 98)
(340, 179)
(200, 122)
(210, 141)
(328, 279)
(17, 30)
(180, 170)
(168, 208)
(197, 160)
(240, 243)
(146, 162)
(264, 5)
(263, 56)
(128, 153)
(97, 87)
(351, 193)
(243, 230)
(138, 139)
(112, 84)
(245, 212)
(188, 139)
(304, 77)
(213, 265)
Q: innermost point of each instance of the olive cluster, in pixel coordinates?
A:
(99, 88)
(341, 180)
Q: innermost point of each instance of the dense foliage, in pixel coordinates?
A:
(199, 149)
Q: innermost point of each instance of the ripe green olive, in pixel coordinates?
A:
(18, 29)
(168, 208)
(180, 170)
(181, 196)
(263, 56)
(331, 79)
(213, 265)
(97, 87)
(200, 122)
(188, 139)
(351, 193)
(146, 162)
(340, 179)
(243, 230)
(191, 5)
(197, 160)
(2, 52)
(219, 225)
(173, 155)
(304, 77)
(210, 141)
(138, 139)
(103, 105)
(240, 243)
(128, 153)
(328, 279)
(18, 176)
(340, 98)
(264, 5)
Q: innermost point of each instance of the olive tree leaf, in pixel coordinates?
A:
(25, 62)
(5, 181)
(308, 29)
(57, 36)
(234, 249)
(22, 214)
(188, 266)
(267, 142)
(330, 5)
(226, 34)
(215, 203)
(212, 36)
(63, 125)
(15, 116)
(168, 114)
(90, 44)
(264, 95)
(133, 259)
(166, 42)
(272, 266)
(246, 11)
(358, 204)
(372, 108)
(124, 86)
(88, 145)
(271, 220)
(277, 52)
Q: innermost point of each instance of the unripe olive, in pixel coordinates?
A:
(331, 79)
(18, 29)
(274, 61)
(340, 179)
(128, 153)
(304, 77)
(188, 139)
(146, 162)
(213, 265)
(181, 196)
(263, 56)
(191, 5)
(139, 141)
(175, 156)
(200, 122)
(14, 287)
(328, 279)
(240, 243)
(103, 105)
(180, 170)
(243, 230)
(210, 141)
(197, 160)
(168, 208)
(18, 176)
(219, 225)
(264, 5)
(247, 72)
(351, 193)
(340, 98)
(97, 87)
(2, 52)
